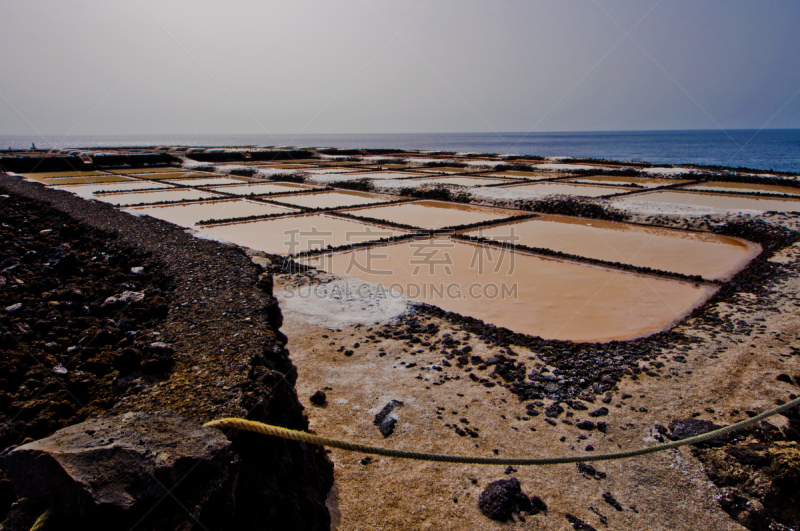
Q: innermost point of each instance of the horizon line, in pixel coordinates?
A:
(45, 135)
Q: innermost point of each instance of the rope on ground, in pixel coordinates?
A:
(294, 435)
(42, 521)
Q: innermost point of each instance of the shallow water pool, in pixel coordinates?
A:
(135, 198)
(691, 253)
(434, 214)
(88, 190)
(262, 188)
(189, 214)
(553, 299)
(332, 199)
(296, 234)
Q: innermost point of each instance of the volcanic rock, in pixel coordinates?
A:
(319, 398)
(123, 464)
(683, 429)
(384, 420)
(117, 302)
(502, 498)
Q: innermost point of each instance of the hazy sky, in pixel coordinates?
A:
(375, 66)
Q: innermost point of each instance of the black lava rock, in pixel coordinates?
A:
(503, 498)
(384, 421)
(553, 410)
(602, 412)
(609, 499)
(683, 429)
(578, 524)
(319, 398)
(588, 471)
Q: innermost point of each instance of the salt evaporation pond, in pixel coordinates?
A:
(388, 167)
(384, 174)
(187, 215)
(358, 175)
(444, 169)
(332, 199)
(744, 187)
(262, 188)
(136, 171)
(459, 181)
(207, 181)
(527, 175)
(325, 171)
(296, 234)
(719, 201)
(550, 298)
(171, 175)
(60, 174)
(83, 180)
(581, 190)
(88, 190)
(712, 256)
(158, 196)
(434, 214)
(644, 182)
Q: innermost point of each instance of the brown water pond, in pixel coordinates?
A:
(88, 190)
(262, 188)
(331, 199)
(60, 175)
(135, 198)
(136, 171)
(692, 253)
(208, 181)
(553, 299)
(187, 215)
(171, 175)
(103, 178)
(434, 214)
(296, 234)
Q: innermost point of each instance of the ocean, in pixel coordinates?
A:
(769, 149)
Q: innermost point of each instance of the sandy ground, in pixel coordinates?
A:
(730, 370)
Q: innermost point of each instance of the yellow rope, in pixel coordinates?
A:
(294, 435)
(41, 522)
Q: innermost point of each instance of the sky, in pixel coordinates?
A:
(92, 67)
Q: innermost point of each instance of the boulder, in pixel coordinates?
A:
(503, 498)
(116, 302)
(683, 429)
(319, 398)
(386, 419)
(125, 465)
